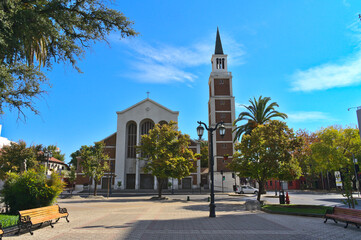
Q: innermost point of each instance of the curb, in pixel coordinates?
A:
(294, 214)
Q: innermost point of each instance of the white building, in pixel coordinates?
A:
(126, 167)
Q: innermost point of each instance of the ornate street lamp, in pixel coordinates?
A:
(222, 131)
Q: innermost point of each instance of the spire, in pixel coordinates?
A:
(218, 49)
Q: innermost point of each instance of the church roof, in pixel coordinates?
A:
(218, 49)
(147, 100)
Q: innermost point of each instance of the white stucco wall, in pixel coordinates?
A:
(146, 109)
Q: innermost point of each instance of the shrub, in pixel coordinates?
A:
(31, 189)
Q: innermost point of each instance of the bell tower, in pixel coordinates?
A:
(221, 107)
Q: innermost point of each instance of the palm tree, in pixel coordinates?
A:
(258, 114)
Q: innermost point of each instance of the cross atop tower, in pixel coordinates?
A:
(148, 94)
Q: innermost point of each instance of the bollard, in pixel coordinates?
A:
(287, 198)
(188, 199)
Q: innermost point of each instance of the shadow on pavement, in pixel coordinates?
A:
(219, 207)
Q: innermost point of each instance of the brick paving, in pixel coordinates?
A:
(141, 218)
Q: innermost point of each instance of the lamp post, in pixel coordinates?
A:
(200, 130)
(48, 154)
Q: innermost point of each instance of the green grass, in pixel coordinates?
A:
(297, 209)
(8, 220)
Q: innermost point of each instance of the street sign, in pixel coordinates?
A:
(338, 179)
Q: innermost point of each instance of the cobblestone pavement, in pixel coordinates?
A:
(142, 218)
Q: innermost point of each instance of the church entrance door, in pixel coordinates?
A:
(130, 181)
(186, 183)
(146, 181)
(105, 183)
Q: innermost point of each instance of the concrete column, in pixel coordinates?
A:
(175, 181)
(155, 183)
(137, 176)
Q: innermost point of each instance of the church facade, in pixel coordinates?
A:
(126, 168)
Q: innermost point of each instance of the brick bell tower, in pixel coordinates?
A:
(221, 107)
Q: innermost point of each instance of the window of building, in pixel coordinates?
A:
(132, 140)
(224, 146)
(144, 129)
(220, 81)
(162, 123)
(223, 102)
(223, 115)
(146, 126)
(290, 183)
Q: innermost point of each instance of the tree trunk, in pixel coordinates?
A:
(95, 188)
(160, 186)
(260, 190)
(328, 182)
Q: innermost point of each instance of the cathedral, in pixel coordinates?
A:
(126, 169)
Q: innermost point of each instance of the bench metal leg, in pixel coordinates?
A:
(29, 228)
(57, 220)
(51, 224)
(346, 225)
(325, 220)
(334, 220)
(67, 218)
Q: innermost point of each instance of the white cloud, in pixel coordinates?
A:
(308, 116)
(328, 76)
(163, 63)
(346, 72)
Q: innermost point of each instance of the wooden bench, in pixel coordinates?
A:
(1, 231)
(31, 217)
(347, 215)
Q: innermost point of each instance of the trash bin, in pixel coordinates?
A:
(282, 197)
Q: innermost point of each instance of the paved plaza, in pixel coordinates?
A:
(138, 217)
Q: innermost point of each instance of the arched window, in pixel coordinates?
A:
(161, 123)
(146, 126)
(132, 140)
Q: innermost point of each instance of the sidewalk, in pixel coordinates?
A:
(141, 218)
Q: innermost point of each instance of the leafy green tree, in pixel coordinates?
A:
(303, 154)
(56, 152)
(38, 33)
(94, 162)
(71, 175)
(347, 188)
(74, 158)
(267, 153)
(258, 113)
(15, 157)
(336, 148)
(31, 189)
(167, 153)
(204, 154)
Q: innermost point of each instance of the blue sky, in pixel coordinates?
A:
(305, 55)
